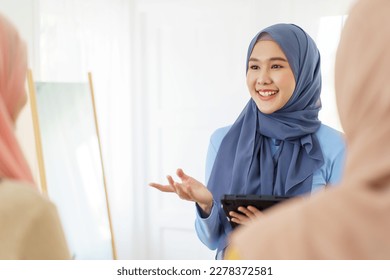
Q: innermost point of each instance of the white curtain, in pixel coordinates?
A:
(77, 37)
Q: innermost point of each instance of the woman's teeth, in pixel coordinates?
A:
(266, 93)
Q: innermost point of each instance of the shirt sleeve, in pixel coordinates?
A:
(208, 228)
(333, 148)
(337, 168)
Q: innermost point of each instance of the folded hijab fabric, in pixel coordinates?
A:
(350, 221)
(13, 65)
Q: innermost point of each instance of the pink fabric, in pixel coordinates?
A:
(13, 66)
(350, 221)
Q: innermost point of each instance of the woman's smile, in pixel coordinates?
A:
(266, 93)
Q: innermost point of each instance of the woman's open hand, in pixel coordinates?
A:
(189, 189)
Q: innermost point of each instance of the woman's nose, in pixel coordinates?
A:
(264, 78)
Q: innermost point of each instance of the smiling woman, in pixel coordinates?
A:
(277, 146)
(351, 221)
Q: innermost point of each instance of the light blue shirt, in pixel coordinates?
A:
(209, 229)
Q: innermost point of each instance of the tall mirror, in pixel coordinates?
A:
(71, 166)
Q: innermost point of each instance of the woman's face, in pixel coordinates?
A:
(270, 79)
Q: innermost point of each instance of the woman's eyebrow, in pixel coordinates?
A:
(270, 59)
(278, 58)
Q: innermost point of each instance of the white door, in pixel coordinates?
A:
(194, 83)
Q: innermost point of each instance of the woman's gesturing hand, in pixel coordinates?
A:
(189, 189)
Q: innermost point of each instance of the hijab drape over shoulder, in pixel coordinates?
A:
(350, 221)
(245, 163)
(13, 65)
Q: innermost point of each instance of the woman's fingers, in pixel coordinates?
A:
(187, 189)
(171, 181)
(255, 211)
(246, 211)
(244, 214)
(179, 188)
(237, 215)
(238, 218)
(180, 173)
(163, 188)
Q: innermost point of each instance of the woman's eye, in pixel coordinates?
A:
(254, 67)
(276, 66)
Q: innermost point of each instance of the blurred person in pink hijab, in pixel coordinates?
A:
(13, 66)
(351, 221)
(29, 224)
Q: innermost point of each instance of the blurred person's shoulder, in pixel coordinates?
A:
(17, 195)
(30, 225)
(20, 204)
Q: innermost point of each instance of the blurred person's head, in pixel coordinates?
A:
(363, 93)
(13, 68)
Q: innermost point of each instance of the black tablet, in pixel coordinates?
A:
(231, 202)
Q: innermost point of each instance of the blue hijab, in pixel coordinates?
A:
(245, 163)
